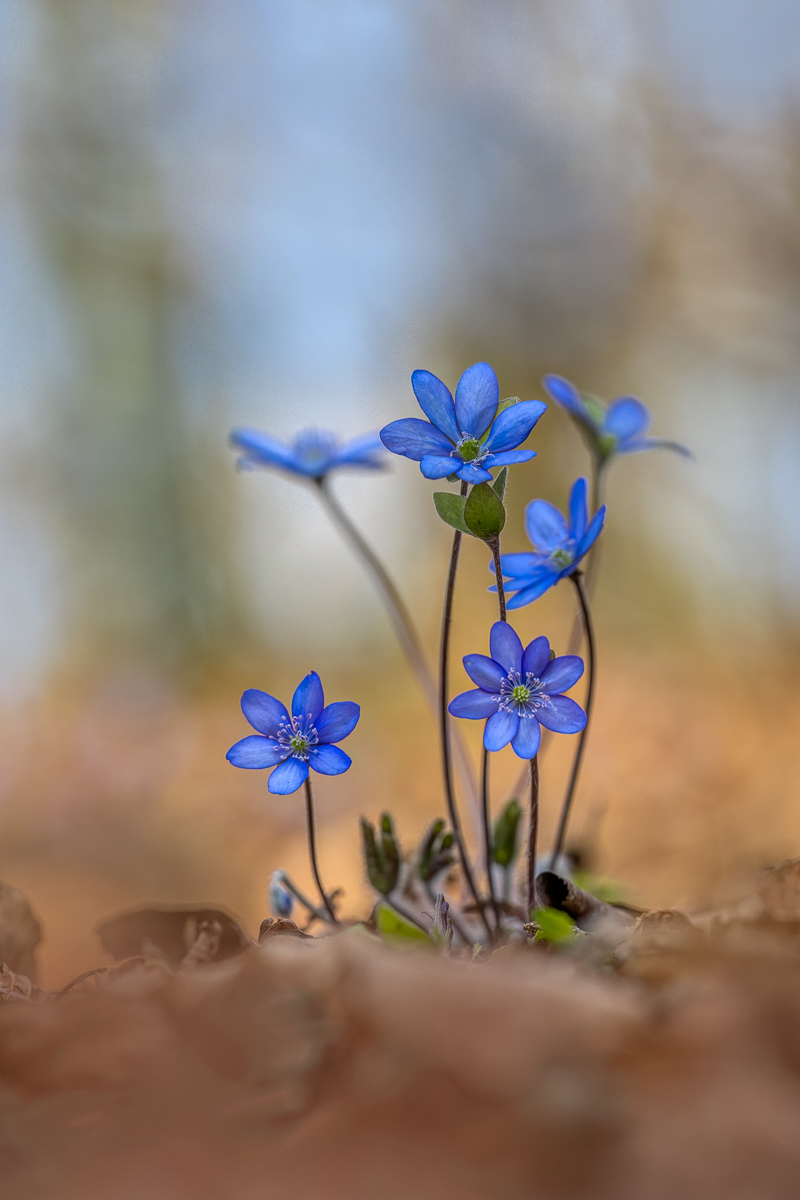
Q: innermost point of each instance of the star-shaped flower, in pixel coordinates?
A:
(617, 428)
(312, 454)
(519, 691)
(466, 437)
(559, 545)
(294, 743)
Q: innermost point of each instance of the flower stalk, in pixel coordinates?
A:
(312, 851)
(588, 626)
(533, 835)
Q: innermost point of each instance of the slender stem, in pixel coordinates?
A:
(444, 723)
(402, 624)
(576, 766)
(312, 850)
(494, 546)
(533, 834)
(487, 835)
(292, 887)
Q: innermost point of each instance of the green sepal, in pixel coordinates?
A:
(453, 478)
(499, 484)
(395, 929)
(382, 857)
(509, 402)
(434, 853)
(504, 839)
(451, 509)
(484, 512)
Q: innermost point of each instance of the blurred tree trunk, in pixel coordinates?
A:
(141, 492)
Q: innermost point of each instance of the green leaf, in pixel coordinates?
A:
(453, 478)
(554, 926)
(381, 857)
(395, 929)
(506, 828)
(499, 484)
(484, 512)
(451, 509)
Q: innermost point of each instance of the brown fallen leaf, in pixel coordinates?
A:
(20, 931)
(169, 933)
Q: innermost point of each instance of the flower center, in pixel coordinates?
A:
(522, 696)
(469, 448)
(314, 447)
(562, 557)
(299, 735)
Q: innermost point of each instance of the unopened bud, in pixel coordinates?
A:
(281, 900)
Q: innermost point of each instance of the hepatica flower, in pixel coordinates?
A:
(312, 454)
(558, 546)
(617, 428)
(466, 437)
(292, 744)
(519, 691)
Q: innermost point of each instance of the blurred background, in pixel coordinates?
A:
(246, 212)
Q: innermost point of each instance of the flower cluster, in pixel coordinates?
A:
(519, 690)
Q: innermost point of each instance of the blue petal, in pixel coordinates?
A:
(505, 646)
(484, 671)
(436, 402)
(308, 700)
(474, 705)
(592, 533)
(578, 509)
(636, 444)
(545, 525)
(329, 760)
(477, 397)
(529, 736)
(473, 473)
(364, 451)
(534, 591)
(562, 674)
(517, 564)
(500, 729)
(562, 715)
(253, 753)
(437, 466)
(536, 657)
(288, 777)
(625, 418)
(264, 712)
(414, 438)
(338, 721)
(258, 447)
(508, 457)
(513, 425)
(568, 396)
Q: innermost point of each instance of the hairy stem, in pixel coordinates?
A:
(444, 723)
(576, 766)
(401, 622)
(533, 835)
(487, 835)
(312, 850)
(494, 546)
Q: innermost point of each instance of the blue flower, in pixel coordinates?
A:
(312, 454)
(618, 428)
(519, 691)
(294, 743)
(466, 437)
(281, 900)
(558, 545)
